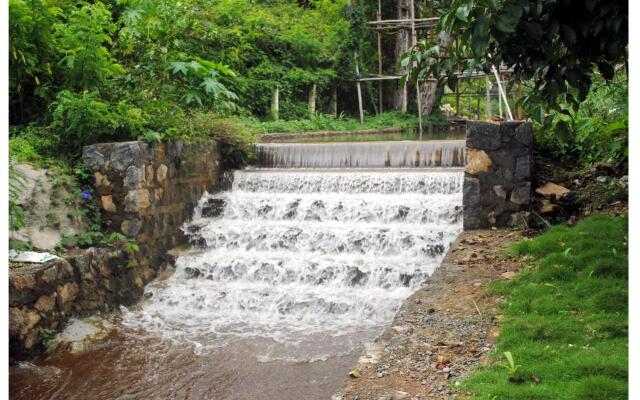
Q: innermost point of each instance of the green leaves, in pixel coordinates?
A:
(508, 18)
(462, 12)
(480, 37)
(179, 67)
(201, 78)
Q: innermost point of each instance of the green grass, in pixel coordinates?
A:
(565, 317)
(321, 122)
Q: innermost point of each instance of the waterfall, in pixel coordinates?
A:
(287, 254)
(433, 153)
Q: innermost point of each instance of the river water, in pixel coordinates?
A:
(289, 274)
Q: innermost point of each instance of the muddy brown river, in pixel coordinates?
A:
(134, 365)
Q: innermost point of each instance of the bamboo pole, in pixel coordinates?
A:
(379, 18)
(275, 103)
(355, 56)
(414, 40)
(333, 105)
(478, 103)
(519, 113)
(457, 98)
(312, 99)
(502, 95)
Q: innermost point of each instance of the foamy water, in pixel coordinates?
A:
(291, 255)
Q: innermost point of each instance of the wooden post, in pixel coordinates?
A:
(478, 102)
(414, 40)
(333, 105)
(312, 99)
(519, 113)
(275, 103)
(355, 56)
(488, 106)
(379, 18)
(458, 98)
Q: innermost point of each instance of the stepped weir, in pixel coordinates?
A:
(289, 274)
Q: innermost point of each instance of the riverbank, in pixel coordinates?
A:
(556, 329)
(442, 330)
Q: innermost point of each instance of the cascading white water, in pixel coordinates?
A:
(291, 254)
(432, 153)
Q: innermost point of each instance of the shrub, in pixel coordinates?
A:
(235, 136)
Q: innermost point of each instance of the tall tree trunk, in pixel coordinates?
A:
(428, 96)
(403, 39)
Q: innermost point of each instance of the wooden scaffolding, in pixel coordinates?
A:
(413, 24)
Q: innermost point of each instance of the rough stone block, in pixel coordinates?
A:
(107, 204)
(523, 168)
(524, 134)
(128, 153)
(161, 173)
(45, 303)
(102, 182)
(137, 200)
(500, 192)
(521, 194)
(67, 293)
(483, 135)
(131, 227)
(478, 161)
(134, 178)
(93, 157)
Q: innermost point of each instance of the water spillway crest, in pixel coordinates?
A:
(395, 154)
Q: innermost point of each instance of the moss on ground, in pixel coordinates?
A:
(565, 317)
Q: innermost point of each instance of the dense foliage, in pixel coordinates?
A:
(87, 71)
(598, 132)
(558, 44)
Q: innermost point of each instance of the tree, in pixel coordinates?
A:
(556, 43)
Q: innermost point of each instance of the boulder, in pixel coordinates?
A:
(552, 191)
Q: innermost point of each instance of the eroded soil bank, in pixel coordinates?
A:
(442, 330)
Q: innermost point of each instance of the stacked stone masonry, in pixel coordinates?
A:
(497, 182)
(147, 191)
(42, 297)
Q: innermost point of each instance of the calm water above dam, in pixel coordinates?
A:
(289, 275)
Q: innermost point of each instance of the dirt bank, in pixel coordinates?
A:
(441, 331)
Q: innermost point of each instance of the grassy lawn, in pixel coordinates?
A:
(565, 317)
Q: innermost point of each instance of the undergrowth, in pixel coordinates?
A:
(565, 317)
(321, 122)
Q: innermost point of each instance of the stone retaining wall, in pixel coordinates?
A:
(43, 297)
(497, 182)
(147, 191)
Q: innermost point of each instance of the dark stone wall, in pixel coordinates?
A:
(497, 179)
(147, 191)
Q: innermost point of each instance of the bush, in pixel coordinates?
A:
(236, 137)
(32, 144)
